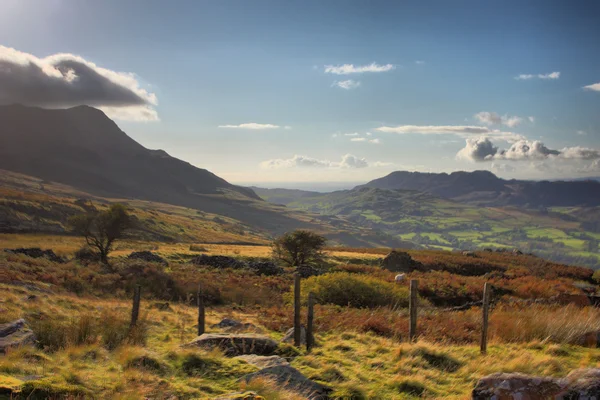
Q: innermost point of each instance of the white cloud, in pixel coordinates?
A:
(531, 119)
(463, 131)
(66, 80)
(352, 134)
(347, 69)
(583, 133)
(595, 87)
(358, 139)
(551, 75)
(482, 149)
(368, 134)
(492, 118)
(287, 127)
(298, 161)
(420, 62)
(375, 141)
(348, 84)
(252, 126)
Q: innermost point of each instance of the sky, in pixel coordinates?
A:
(316, 93)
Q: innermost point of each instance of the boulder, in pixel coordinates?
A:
(469, 254)
(231, 325)
(289, 336)
(15, 334)
(36, 252)
(263, 361)
(291, 379)
(579, 384)
(399, 261)
(236, 344)
(306, 271)
(147, 256)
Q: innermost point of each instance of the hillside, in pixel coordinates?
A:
(561, 234)
(485, 188)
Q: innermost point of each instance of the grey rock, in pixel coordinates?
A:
(231, 325)
(147, 256)
(236, 344)
(579, 384)
(36, 252)
(289, 336)
(263, 361)
(15, 334)
(291, 379)
(399, 261)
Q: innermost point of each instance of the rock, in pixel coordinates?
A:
(469, 254)
(265, 268)
(15, 334)
(579, 384)
(517, 252)
(36, 252)
(231, 325)
(147, 256)
(291, 379)
(218, 261)
(399, 261)
(263, 361)
(289, 336)
(241, 396)
(306, 271)
(236, 344)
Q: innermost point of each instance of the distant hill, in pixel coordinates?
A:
(485, 188)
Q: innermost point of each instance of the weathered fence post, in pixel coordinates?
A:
(309, 321)
(201, 313)
(297, 326)
(135, 311)
(412, 310)
(485, 310)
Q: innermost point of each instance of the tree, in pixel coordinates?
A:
(299, 247)
(102, 228)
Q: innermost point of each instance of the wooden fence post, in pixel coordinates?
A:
(135, 311)
(309, 322)
(485, 311)
(201, 313)
(297, 326)
(412, 310)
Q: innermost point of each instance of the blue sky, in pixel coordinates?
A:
(419, 77)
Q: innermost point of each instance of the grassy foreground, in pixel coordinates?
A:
(80, 362)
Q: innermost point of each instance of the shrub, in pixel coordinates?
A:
(359, 291)
(409, 387)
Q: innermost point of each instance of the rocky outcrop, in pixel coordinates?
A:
(579, 384)
(231, 325)
(36, 252)
(289, 336)
(291, 379)
(218, 261)
(267, 268)
(147, 256)
(15, 334)
(399, 261)
(236, 344)
(263, 361)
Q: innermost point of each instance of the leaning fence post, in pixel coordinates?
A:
(485, 311)
(201, 313)
(412, 310)
(135, 311)
(309, 321)
(297, 326)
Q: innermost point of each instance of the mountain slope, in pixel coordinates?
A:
(485, 188)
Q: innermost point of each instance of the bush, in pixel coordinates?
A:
(354, 290)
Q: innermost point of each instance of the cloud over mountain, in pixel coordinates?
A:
(347, 161)
(347, 69)
(463, 131)
(66, 80)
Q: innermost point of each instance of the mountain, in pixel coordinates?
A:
(485, 188)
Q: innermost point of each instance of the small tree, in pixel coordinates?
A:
(299, 247)
(101, 229)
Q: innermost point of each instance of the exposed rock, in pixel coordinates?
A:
(306, 271)
(15, 334)
(231, 325)
(263, 361)
(469, 254)
(218, 261)
(147, 256)
(241, 396)
(289, 336)
(291, 379)
(267, 268)
(399, 261)
(36, 252)
(517, 252)
(579, 384)
(236, 344)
